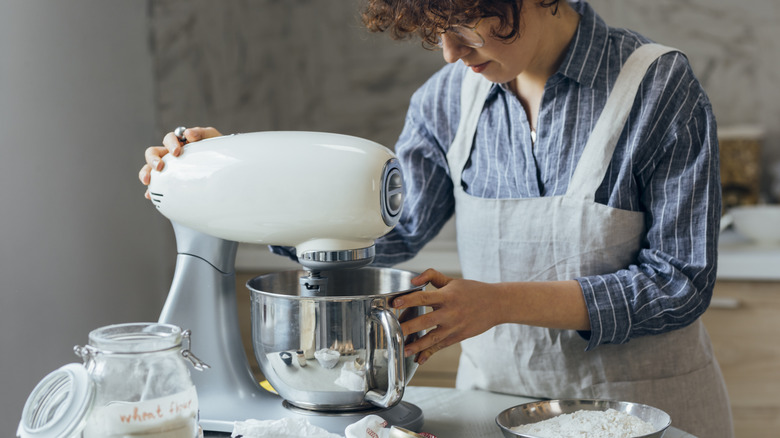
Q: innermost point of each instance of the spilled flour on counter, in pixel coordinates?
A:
(590, 424)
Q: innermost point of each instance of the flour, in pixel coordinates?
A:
(590, 424)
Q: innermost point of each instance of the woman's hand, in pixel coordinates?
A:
(466, 308)
(461, 309)
(171, 144)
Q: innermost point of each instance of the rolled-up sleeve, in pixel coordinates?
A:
(671, 284)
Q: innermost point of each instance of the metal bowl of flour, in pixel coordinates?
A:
(535, 412)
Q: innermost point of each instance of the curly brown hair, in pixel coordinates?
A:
(427, 18)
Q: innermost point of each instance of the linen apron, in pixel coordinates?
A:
(568, 236)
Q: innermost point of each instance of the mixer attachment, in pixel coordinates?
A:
(313, 284)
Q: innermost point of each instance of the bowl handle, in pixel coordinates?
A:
(396, 374)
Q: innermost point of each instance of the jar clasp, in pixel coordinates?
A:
(186, 352)
(86, 353)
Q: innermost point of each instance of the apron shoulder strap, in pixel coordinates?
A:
(474, 91)
(597, 154)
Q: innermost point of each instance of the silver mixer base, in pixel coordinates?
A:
(404, 414)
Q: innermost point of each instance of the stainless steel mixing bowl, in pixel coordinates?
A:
(542, 410)
(296, 335)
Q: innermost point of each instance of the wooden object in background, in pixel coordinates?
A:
(744, 321)
(245, 321)
(740, 165)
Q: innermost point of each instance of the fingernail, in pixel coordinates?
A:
(407, 352)
(422, 360)
(155, 164)
(398, 302)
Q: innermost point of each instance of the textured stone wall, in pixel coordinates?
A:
(243, 65)
(734, 47)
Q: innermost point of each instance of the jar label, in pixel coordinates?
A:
(164, 415)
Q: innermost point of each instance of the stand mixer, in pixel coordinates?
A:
(327, 195)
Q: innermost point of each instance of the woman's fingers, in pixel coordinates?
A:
(440, 328)
(145, 174)
(191, 135)
(426, 354)
(199, 133)
(153, 156)
(175, 145)
(423, 298)
(172, 144)
(416, 299)
(433, 341)
(460, 309)
(422, 322)
(432, 276)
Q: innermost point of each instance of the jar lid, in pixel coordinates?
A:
(59, 404)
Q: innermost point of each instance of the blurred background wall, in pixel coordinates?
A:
(79, 245)
(86, 85)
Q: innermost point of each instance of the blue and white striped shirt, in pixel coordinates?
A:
(665, 165)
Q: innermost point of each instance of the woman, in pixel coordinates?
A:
(587, 207)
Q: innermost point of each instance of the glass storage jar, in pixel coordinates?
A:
(134, 382)
(142, 383)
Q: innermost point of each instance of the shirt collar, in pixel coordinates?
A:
(585, 59)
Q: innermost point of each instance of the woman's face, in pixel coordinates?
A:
(500, 61)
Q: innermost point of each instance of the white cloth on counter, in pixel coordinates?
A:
(371, 426)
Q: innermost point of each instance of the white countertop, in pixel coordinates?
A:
(454, 413)
(741, 259)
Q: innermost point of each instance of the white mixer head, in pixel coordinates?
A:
(328, 195)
